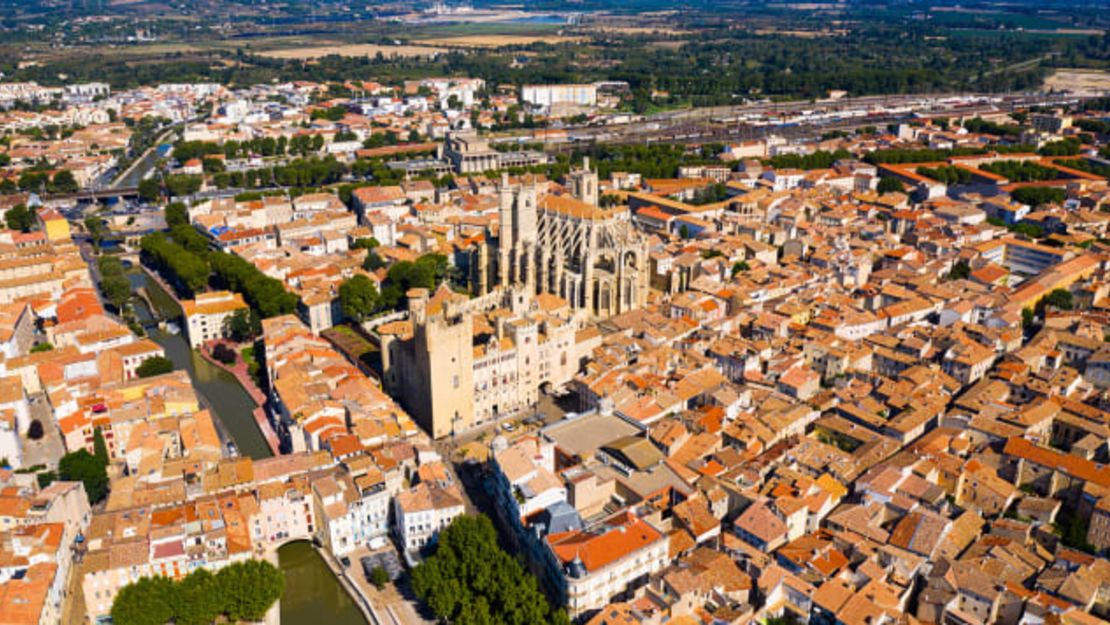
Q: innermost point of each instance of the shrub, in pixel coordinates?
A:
(224, 354)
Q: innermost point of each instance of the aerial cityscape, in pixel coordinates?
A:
(646, 312)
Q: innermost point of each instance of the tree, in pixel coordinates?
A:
(242, 591)
(265, 294)
(224, 354)
(358, 297)
(470, 579)
(379, 577)
(94, 226)
(739, 267)
(249, 589)
(19, 217)
(180, 185)
(373, 262)
(177, 214)
(365, 243)
(41, 347)
(1060, 299)
(149, 190)
(1036, 196)
(198, 599)
(243, 325)
(960, 270)
(188, 271)
(148, 601)
(890, 184)
(100, 447)
(155, 365)
(1027, 317)
(64, 182)
(81, 466)
(1064, 147)
(786, 618)
(117, 290)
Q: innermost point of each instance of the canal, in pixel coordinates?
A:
(313, 595)
(227, 400)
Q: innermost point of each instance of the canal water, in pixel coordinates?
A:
(313, 596)
(230, 404)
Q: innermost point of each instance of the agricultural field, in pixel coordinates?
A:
(352, 50)
(496, 41)
(1078, 80)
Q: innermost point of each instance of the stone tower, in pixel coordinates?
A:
(519, 218)
(583, 183)
(440, 385)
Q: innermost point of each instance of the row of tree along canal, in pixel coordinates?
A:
(227, 400)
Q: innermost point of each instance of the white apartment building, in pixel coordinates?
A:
(348, 515)
(422, 511)
(205, 315)
(547, 96)
(593, 565)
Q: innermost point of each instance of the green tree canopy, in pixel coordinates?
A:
(113, 282)
(890, 184)
(198, 599)
(148, 601)
(155, 365)
(81, 466)
(358, 297)
(1060, 299)
(180, 185)
(149, 190)
(64, 182)
(19, 217)
(1036, 196)
(177, 214)
(242, 591)
(249, 589)
(243, 325)
(470, 579)
(960, 270)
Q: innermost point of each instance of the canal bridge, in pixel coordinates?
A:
(96, 194)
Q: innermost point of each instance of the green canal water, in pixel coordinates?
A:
(229, 402)
(313, 596)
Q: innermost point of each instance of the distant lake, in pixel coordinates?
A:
(540, 19)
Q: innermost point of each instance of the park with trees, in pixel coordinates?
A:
(470, 579)
(241, 591)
